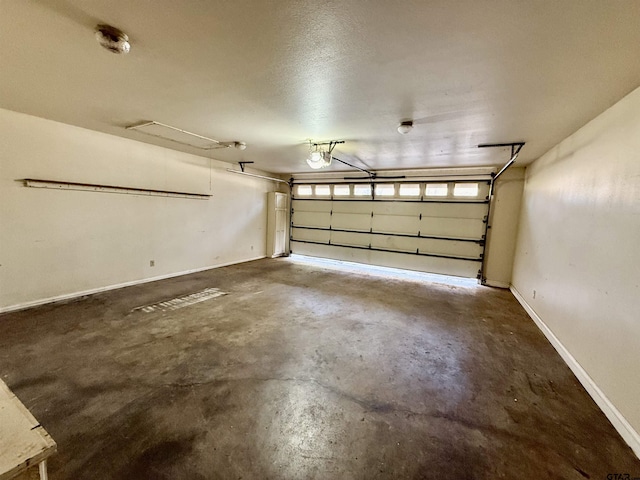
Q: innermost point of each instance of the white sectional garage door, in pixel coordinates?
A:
(436, 227)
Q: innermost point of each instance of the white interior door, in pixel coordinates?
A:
(277, 225)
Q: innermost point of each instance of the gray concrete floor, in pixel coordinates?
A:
(303, 372)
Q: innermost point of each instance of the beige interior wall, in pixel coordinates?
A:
(501, 237)
(55, 243)
(577, 262)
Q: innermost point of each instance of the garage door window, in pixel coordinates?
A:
(436, 190)
(465, 190)
(362, 190)
(304, 190)
(385, 190)
(341, 190)
(410, 190)
(323, 190)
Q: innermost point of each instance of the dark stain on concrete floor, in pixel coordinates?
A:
(301, 372)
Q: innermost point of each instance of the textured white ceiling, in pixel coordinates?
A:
(277, 73)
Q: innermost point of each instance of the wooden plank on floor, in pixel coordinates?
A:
(23, 441)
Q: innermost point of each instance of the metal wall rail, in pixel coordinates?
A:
(330, 199)
(94, 187)
(404, 252)
(479, 241)
(264, 177)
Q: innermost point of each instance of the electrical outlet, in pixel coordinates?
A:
(152, 263)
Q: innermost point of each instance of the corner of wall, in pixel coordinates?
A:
(501, 241)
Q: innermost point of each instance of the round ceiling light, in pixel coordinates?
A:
(113, 39)
(240, 145)
(319, 159)
(405, 127)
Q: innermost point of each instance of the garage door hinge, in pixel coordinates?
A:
(371, 214)
(421, 216)
(484, 219)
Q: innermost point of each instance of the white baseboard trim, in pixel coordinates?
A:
(495, 283)
(69, 296)
(624, 428)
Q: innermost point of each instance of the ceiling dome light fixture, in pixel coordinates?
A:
(113, 39)
(240, 145)
(405, 127)
(318, 158)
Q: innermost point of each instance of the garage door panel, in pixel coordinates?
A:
(396, 208)
(427, 245)
(454, 210)
(311, 205)
(444, 266)
(452, 248)
(350, 238)
(322, 236)
(395, 224)
(351, 221)
(311, 219)
(405, 244)
(452, 227)
(352, 206)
